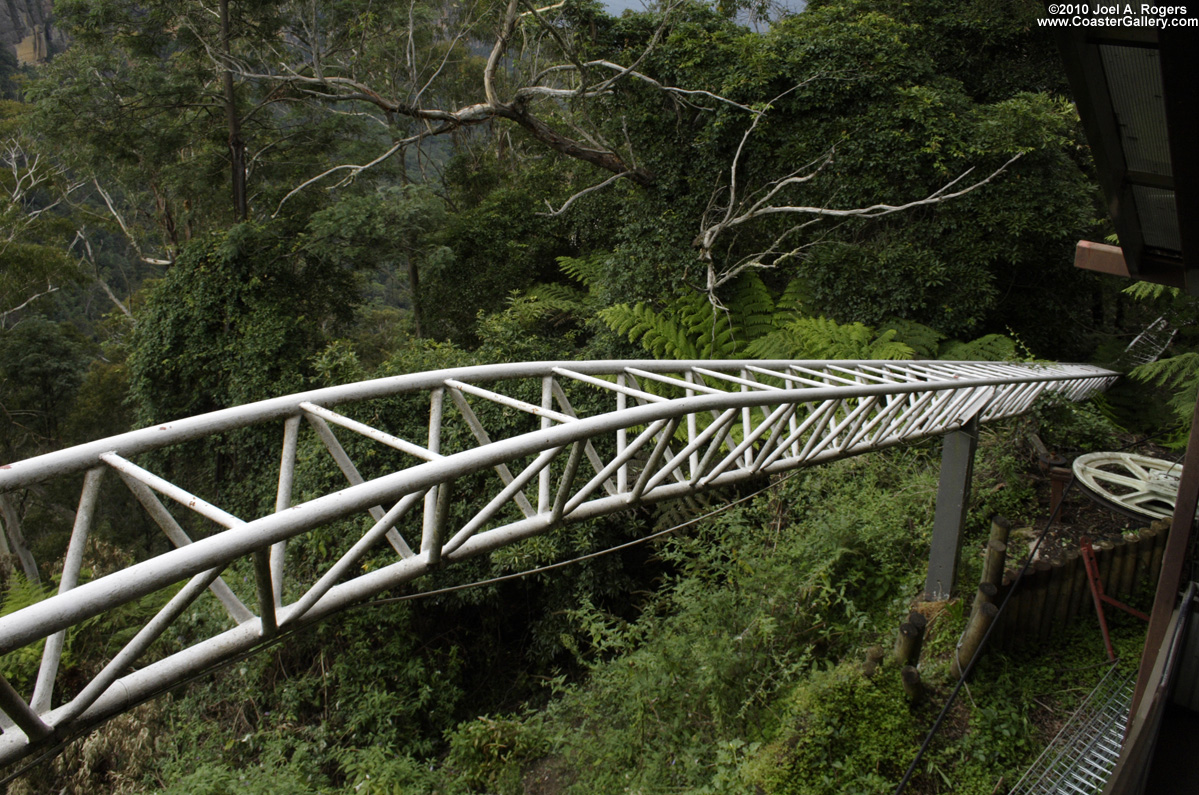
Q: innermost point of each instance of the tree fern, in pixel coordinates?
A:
(821, 338)
(992, 347)
(1148, 291)
(794, 301)
(548, 302)
(1179, 373)
(588, 271)
(657, 333)
(751, 308)
(924, 341)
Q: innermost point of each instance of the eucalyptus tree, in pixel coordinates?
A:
(171, 143)
(33, 186)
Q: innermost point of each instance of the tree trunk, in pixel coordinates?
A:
(414, 288)
(609, 161)
(237, 147)
(16, 539)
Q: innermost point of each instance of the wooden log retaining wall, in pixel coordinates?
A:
(1054, 592)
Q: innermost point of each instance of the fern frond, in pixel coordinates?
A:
(656, 333)
(923, 340)
(21, 593)
(793, 302)
(547, 303)
(991, 348)
(1179, 373)
(586, 270)
(1173, 372)
(886, 346)
(822, 338)
(751, 307)
(1148, 291)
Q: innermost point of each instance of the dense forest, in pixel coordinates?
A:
(209, 204)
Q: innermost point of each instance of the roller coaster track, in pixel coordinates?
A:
(581, 440)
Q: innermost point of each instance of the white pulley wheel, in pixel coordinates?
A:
(1129, 482)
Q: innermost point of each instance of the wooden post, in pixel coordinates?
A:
(1128, 567)
(1019, 608)
(1104, 556)
(1061, 613)
(1053, 594)
(953, 500)
(972, 638)
(1001, 638)
(912, 686)
(1111, 585)
(874, 658)
(1039, 593)
(1080, 590)
(1000, 529)
(911, 639)
(1159, 549)
(987, 591)
(994, 562)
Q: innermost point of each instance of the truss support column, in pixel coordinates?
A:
(953, 500)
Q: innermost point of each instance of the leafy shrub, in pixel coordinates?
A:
(487, 754)
(843, 733)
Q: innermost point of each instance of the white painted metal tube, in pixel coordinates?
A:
(878, 405)
(43, 690)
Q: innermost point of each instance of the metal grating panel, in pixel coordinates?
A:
(1159, 217)
(1148, 345)
(1082, 755)
(1134, 78)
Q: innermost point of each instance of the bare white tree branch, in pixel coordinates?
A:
(762, 204)
(88, 257)
(600, 186)
(50, 288)
(132, 238)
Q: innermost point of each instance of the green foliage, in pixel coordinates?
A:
(235, 321)
(682, 697)
(216, 779)
(924, 341)
(1068, 426)
(1149, 291)
(1179, 374)
(990, 347)
(749, 322)
(42, 365)
(1176, 376)
(376, 771)
(693, 327)
(821, 338)
(19, 667)
(752, 323)
(827, 745)
(490, 753)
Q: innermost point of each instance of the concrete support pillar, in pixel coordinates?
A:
(953, 500)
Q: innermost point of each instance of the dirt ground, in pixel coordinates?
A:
(1081, 514)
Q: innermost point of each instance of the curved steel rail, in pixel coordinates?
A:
(662, 430)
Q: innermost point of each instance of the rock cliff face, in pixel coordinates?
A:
(27, 29)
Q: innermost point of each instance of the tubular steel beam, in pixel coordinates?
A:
(690, 426)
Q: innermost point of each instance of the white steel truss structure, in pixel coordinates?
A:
(602, 437)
